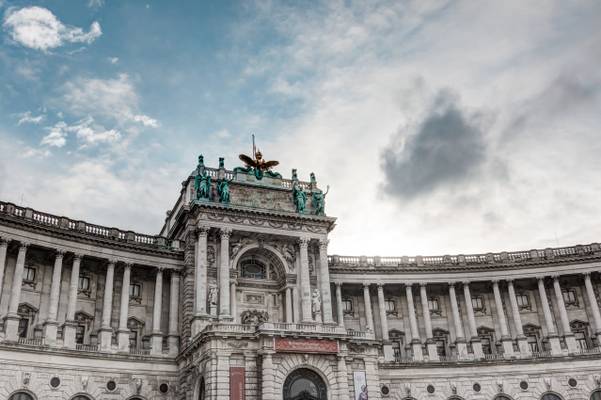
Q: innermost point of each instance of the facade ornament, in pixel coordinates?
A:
(316, 302)
(84, 382)
(26, 378)
(202, 180)
(211, 255)
(407, 390)
(500, 386)
(597, 380)
(547, 383)
(254, 317)
(257, 164)
(237, 246)
(138, 385)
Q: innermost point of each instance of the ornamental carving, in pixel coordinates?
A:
(211, 256)
(237, 246)
(254, 317)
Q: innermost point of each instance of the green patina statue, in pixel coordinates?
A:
(299, 197)
(223, 189)
(202, 180)
(257, 164)
(319, 201)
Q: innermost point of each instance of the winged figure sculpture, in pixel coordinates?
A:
(257, 164)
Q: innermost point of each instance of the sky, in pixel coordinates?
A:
(441, 127)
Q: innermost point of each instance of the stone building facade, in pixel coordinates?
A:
(237, 298)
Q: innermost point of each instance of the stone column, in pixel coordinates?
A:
(173, 338)
(3, 248)
(517, 320)
(51, 324)
(369, 318)
(267, 387)
(431, 346)
(460, 337)
(305, 280)
(156, 343)
(505, 337)
(295, 304)
(224, 276)
(339, 310)
(563, 313)
(288, 291)
(342, 379)
(416, 343)
(106, 332)
(592, 299)
(70, 323)
(123, 332)
(475, 339)
(388, 353)
(11, 327)
(324, 273)
(552, 333)
(200, 279)
(233, 301)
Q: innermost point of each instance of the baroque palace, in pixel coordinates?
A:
(237, 298)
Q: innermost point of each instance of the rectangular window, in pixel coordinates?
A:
(486, 347)
(396, 348)
(440, 347)
(523, 300)
(29, 274)
(433, 305)
(80, 332)
(581, 340)
(23, 327)
(347, 306)
(569, 297)
(390, 306)
(134, 290)
(84, 283)
(477, 303)
(133, 339)
(533, 343)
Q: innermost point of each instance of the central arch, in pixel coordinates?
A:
(304, 384)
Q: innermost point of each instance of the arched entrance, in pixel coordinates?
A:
(21, 396)
(304, 384)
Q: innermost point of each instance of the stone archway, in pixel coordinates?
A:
(304, 384)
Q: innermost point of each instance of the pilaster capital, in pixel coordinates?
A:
(225, 233)
(303, 241)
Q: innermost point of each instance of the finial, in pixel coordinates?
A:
(221, 162)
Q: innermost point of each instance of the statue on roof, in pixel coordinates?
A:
(257, 164)
(299, 197)
(202, 180)
(319, 201)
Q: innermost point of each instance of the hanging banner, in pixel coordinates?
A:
(360, 383)
(237, 383)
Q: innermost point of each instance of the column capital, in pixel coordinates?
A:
(60, 252)
(587, 273)
(225, 232)
(202, 230)
(555, 277)
(466, 283)
(174, 273)
(409, 284)
(422, 284)
(452, 285)
(128, 265)
(541, 278)
(495, 281)
(24, 245)
(366, 285)
(323, 243)
(159, 269)
(303, 241)
(509, 281)
(4, 241)
(112, 261)
(77, 256)
(338, 283)
(380, 285)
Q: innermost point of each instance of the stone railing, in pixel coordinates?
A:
(31, 342)
(281, 182)
(87, 347)
(86, 228)
(589, 250)
(302, 328)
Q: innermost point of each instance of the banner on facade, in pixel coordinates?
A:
(360, 382)
(237, 383)
(299, 345)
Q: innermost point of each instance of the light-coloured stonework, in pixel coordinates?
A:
(237, 298)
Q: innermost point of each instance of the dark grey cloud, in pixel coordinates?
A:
(445, 148)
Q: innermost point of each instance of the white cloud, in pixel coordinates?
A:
(30, 152)
(111, 98)
(57, 137)
(86, 131)
(95, 3)
(27, 118)
(113, 60)
(38, 28)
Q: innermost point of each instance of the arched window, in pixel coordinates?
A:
(304, 384)
(253, 269)
(502, 397)
(81, 397)
(550, 396)
(596, 395)
(21, 396)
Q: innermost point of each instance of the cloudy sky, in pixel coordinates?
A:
(442, 127)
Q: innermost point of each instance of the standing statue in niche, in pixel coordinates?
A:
(213, 296)
(316, 302)
(202, 180)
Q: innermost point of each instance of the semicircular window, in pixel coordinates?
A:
(21, 396)
(550, 396)
(253, 269)
(304, 384)
(596, 395)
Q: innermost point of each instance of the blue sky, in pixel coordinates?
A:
(441, 126)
